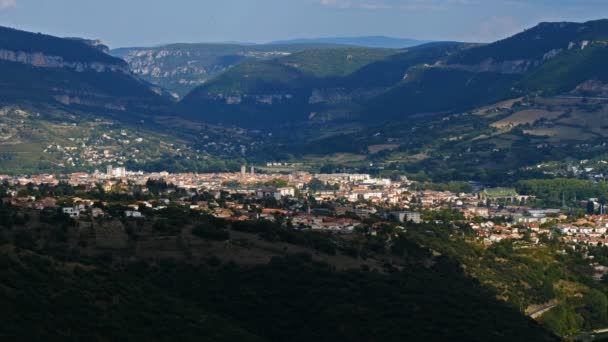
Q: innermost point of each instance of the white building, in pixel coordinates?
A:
(408, 216)
(74, 211)
(119, 172)
(133, 214)
(275, 193)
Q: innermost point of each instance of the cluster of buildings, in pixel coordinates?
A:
(589, 231)
(113, 146)
(337, 203)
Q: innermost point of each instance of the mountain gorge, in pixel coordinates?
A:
(182, 67)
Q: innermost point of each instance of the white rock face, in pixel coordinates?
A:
(341, 95)
(41, 60)
(489, 65)
(591, 87)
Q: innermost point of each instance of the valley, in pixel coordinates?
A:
(339, 189)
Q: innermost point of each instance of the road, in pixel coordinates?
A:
(540, 311)
(582, 98)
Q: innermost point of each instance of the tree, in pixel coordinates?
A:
(595, 309)
(547, 291)
(562, 320)
(590, 207)
(316, 185)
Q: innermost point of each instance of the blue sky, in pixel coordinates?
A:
(152, 22)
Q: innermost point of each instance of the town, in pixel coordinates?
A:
(320, 202)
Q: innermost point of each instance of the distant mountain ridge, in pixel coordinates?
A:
(182, 67)
(308, 86)
(367, 41)
(428, 79)
(320, 94)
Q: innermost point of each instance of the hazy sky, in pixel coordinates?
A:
(152, 22)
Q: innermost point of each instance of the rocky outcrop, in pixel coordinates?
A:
(157, 64)
(341, 95)
(41, 60)
(489, 65)
(519, 66)
(591, 88)
(236, 99)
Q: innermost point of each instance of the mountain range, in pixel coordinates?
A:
(552, 58)
(440, 105)
(181, 67)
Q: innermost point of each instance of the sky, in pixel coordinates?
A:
(122, 23)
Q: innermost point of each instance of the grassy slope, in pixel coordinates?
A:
(436, 90)
(569, 70)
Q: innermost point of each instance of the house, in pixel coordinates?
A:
(287, 192)
(272, 211)
(133, 214)
(479, 211)
(363, 212)
(276, 193)
(369, 194)
(97, 212)
(408, 216)
(222, 213)
(48, 202)
(73, 212)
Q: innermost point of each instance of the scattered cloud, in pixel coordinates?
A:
(4, 4)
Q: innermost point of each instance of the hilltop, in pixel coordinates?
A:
(246, 283)
(42, 69)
